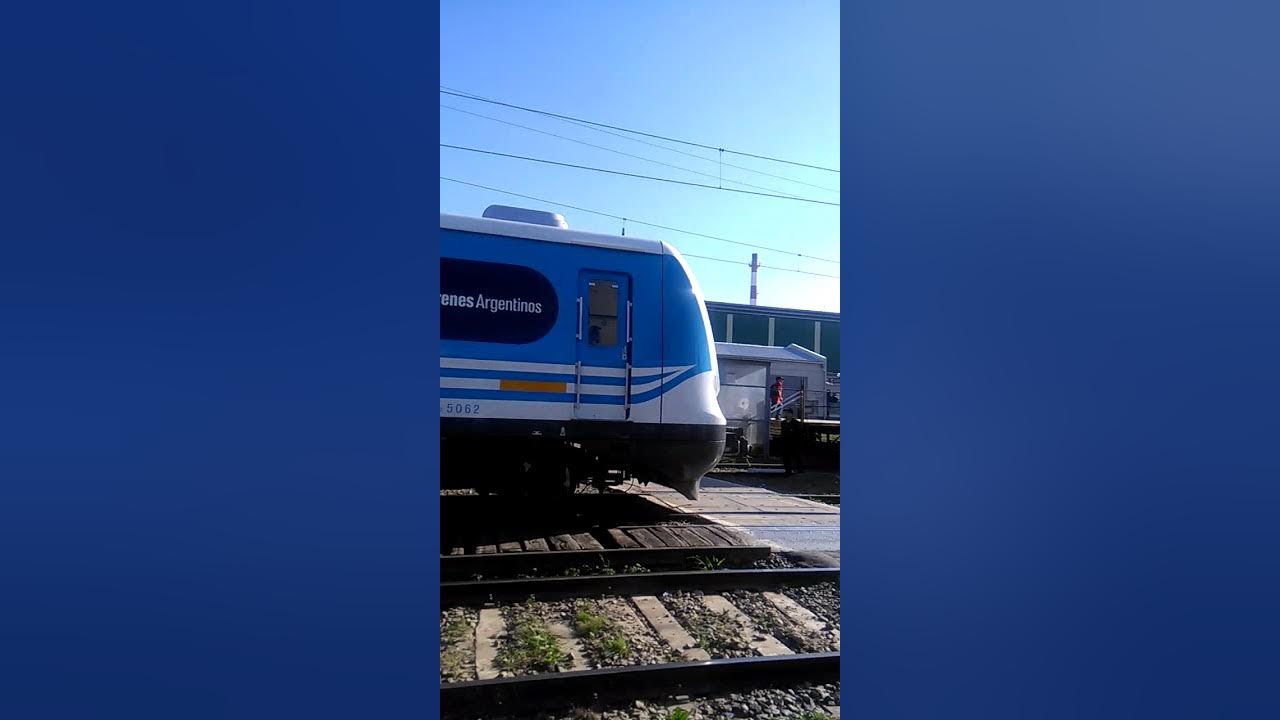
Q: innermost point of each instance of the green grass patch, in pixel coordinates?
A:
(455, 631)
(532, 647)
(707, 563)
(456, 649)
(616, 646)
(590, 624)
(601, 633)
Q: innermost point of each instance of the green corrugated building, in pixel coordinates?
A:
(778, 327)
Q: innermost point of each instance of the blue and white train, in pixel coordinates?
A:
(571, 358)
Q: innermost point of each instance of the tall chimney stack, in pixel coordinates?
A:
(755, 265)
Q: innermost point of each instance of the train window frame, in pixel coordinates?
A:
(596, 336)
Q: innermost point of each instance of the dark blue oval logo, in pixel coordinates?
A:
(495, 302)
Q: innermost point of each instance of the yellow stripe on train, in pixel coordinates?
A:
(532, 386)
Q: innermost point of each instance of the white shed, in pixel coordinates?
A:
(748, 371)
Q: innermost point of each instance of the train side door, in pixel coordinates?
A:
(603, 368)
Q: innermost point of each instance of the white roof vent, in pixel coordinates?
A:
(524, 215)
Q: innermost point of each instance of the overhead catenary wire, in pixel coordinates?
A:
(637, 175)
(642, 222)
(665, 227)
(719, 160)
(769, 267)
(619, 152)
(691, 143)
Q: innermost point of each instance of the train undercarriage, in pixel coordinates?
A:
(529, 459)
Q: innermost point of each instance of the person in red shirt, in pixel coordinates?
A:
(775, 404)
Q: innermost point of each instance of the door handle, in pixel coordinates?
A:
(579, 317)
(626, 398)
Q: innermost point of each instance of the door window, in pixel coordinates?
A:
(602, 313)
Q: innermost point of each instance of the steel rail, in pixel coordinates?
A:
(454, 566)
(585, 687)
(453, 594)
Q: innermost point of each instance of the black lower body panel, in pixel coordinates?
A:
(494, 450)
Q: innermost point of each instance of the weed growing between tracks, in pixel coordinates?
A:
(532, 647)
(457, 649)
(604, 568)
(707, 564)
(601, 633)
(613, 633)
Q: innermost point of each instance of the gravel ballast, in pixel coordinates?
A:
(822, 599)
(720, 635)
(644, 645)
(790, 632)
(764, 704)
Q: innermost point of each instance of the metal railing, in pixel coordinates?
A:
(808, 404)
(752, 437)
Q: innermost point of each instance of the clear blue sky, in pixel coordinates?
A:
(754, 76)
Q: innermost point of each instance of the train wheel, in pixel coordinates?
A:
(553, 478)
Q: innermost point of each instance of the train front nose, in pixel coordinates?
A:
(684, 463)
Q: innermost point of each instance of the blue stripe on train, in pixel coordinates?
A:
(472, 394)
(638, 398)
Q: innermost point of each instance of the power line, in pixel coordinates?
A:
(664, 227)
(619, 152)
(642, 222)
(720, 161)
(635, 175)
(645, 134)
(708, 257)
(767, 267)
(802, 272)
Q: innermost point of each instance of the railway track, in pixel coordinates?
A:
(496, 537)
(553, 588)
(608, 561)
(638, 646)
